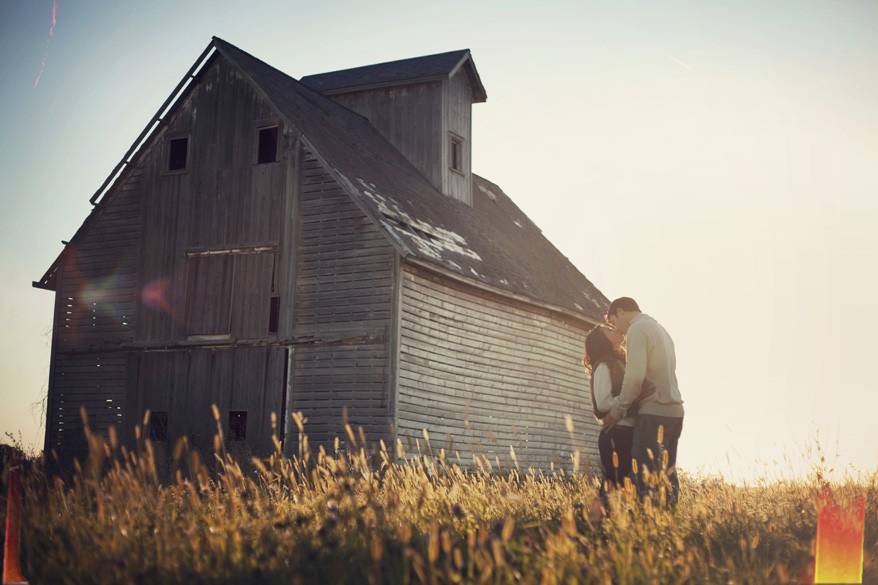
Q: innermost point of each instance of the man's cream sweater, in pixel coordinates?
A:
(650, 356)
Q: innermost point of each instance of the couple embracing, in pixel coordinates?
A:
(635, 395)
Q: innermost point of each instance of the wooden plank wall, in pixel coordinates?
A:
(92, 380)
(481, 375)
(113, 299)
(343, 303)
(95, 311)
(99, 269)
(223, 201)
(214, 235)
(411, 118)
(184, 384)
(458, 111)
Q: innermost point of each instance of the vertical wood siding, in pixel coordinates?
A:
(410, 117)
(458, 108)
(343, 302)
(481, 375)
(223, 200)
(114, 302)
(185, 383)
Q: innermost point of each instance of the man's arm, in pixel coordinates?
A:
(635, 372)
(603, 388)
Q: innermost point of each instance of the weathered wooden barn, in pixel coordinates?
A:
(271, 245)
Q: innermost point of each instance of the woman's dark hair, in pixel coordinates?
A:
(599, 350)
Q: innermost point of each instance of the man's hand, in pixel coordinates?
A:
(610, 420)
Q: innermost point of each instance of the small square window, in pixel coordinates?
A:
(267, 145)
(158, 426)
(178, 154)
(237, 425)
(457, 153)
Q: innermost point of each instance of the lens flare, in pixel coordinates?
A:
(155, 294)
(840, 531)
(53, 22)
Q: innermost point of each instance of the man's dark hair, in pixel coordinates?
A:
(623, 304)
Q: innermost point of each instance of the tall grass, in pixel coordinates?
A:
(358, 517)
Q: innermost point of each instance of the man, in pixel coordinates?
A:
(660, 415)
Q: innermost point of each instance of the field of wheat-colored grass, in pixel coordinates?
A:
(357, 517)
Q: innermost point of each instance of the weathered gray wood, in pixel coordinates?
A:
(136, 247)
(222, 199)
(94, 381)
(486, 376)
(458, 120)
(186, 383)
(410, 117)
(208, 308)
(344, 287)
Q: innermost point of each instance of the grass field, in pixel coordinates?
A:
(358, 518)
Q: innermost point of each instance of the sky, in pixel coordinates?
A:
(716, 161)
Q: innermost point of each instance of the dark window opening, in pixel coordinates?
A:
(178, 153)
(158, 426)
(457, 154)
(238, 425)
(267, 145)
(273, 314)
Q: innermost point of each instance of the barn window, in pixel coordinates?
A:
(273, 314)
(456, 154)
(237, 425)
(267, 145)
(178, 153)
(158, 426)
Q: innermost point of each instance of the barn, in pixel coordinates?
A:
(270, 245)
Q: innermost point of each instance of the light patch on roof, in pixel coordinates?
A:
(578, 306)
(491, 195)
(591, 300)
(432, 241)
(518, 223)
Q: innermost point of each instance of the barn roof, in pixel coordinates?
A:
(428, 67)
(492, 244)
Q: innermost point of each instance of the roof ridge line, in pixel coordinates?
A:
(387, 62)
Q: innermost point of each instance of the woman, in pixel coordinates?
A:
(605, 360)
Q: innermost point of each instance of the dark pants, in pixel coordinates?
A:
(619, 440)
(649, 451)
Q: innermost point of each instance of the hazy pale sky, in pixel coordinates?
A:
(716, 161)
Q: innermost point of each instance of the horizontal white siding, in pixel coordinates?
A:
(481, 375)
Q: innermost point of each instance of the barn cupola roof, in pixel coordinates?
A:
(402, 72)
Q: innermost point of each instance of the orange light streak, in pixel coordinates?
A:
(840, 531)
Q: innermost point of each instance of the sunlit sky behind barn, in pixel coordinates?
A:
(717, 161)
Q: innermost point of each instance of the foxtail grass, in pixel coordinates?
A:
(333, 515)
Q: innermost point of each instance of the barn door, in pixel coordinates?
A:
(246, 384)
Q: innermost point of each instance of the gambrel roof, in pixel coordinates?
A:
(492, 244)
(414, 70)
